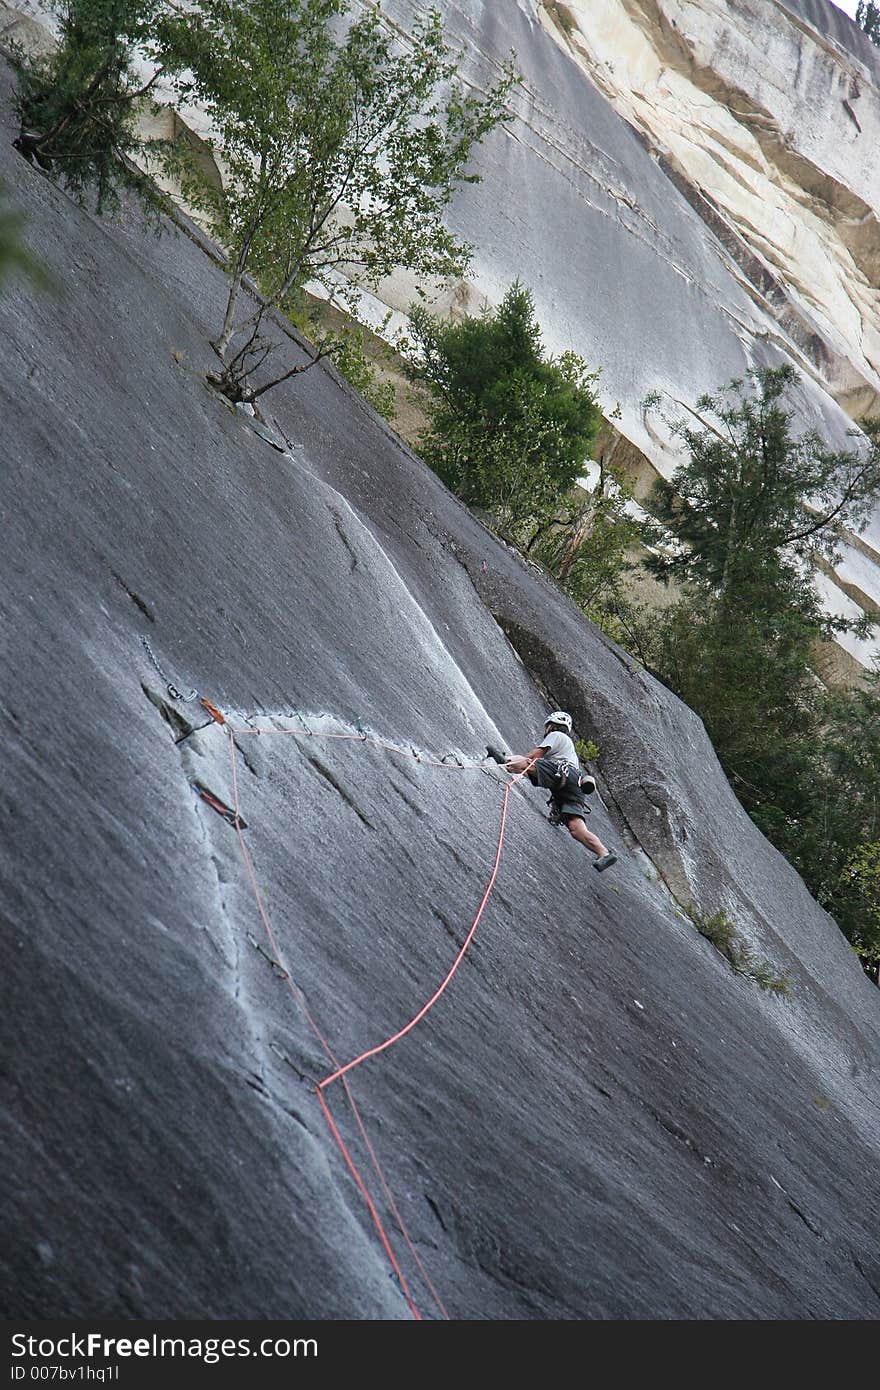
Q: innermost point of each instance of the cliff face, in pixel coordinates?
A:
(597, 1119)
(768, 126)
(690, 188)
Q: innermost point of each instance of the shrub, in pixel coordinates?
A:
(586, 749)
(510, 428)
(350, 358)
(78, 107)
(718, 928)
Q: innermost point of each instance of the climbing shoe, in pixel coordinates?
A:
(600, 865)
(495, 753)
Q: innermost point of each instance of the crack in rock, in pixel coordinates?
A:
(328, 776)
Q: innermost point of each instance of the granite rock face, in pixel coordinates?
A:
(597, 1119)
(768, 126)
(690, 188)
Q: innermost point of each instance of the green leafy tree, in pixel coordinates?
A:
(78, 107)
(868, 19)
(509, 428)
(340, 145)
(861, 878)
(752, 503)
(746, 669)
(837, 844)
(803, 760)
(745, 521)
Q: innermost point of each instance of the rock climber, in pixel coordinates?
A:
(556, 766)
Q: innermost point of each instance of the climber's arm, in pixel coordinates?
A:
(518, 763)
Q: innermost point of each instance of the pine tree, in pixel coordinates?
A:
(78, 107)
(510, 428)
(745, 521)
(868, 19)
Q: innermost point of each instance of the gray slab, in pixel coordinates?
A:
(598, 1119)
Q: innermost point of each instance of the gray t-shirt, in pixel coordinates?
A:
(560, 748)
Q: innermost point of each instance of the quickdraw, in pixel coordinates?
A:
(211, 799)
(173, 691)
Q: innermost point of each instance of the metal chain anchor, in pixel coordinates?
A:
(172, 689)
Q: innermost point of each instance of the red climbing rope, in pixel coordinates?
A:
(417, 1018)
(328, 1051)
(340, 1072)
(372, 742)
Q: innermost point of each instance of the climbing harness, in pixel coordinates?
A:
(569, 776)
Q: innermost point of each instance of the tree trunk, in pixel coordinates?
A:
(578, 535)
(227, 333)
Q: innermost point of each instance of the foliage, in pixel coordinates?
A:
(587, 750)
(510, 431)
(79, 106)
(740, 645)
(718, 928)
(509, 428)
(341, 148)
(587, 542)
(350, 358)
(836, 842)
(347, 344)
(746, 671)
(868, 19)
(861, 877)
(752, 503)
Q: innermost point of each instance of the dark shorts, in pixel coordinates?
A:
(568, 800)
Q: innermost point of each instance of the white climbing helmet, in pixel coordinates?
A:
(559, 716)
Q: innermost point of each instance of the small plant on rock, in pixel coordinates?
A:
(718, 928)
(14, 255)
(586, 749)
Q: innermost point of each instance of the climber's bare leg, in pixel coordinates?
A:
(577, 829)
